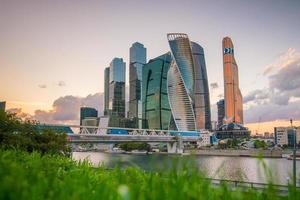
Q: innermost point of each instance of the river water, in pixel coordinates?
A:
(221, 167)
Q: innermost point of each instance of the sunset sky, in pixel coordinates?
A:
(53, 52)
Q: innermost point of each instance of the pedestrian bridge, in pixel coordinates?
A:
(93, 134)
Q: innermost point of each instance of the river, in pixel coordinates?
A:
(221, 167)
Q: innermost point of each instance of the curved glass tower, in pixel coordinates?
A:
(180, 82)
(156, 109)
(233, 95)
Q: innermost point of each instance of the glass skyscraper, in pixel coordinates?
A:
(187, 84)
(86, 112)
(201, 89)
(221, 112)
(233, 96)
(156, 108)
(106, 90)
(116, 98)
(137, 60)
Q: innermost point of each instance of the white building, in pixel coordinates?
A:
(285, 135)
(205, 139)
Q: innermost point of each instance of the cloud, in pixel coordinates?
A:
(42, 86)
(270, 112)
(286, 59)
(214, 85)
(67, 109)
(280, 100)
(256, 95)
(61, 84)
(286, 79)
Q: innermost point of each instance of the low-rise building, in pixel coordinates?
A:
(207, 139)
(285, 135)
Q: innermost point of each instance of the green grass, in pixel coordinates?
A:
(33, 176)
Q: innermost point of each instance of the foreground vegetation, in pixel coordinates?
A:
(35, 164)
(36, 176)
(25, 135)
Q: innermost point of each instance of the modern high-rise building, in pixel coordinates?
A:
(156, 108)
(233, 96)
(86, 112)
(116, 99)
(181, 81)
(137, 60)
(221, 112)
(187, 84)
(2, 105)
(106, 91)
(201, 89)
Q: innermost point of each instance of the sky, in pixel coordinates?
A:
(53, 52)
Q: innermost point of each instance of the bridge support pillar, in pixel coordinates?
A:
(175, 147)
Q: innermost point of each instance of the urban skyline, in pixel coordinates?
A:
(259, 77)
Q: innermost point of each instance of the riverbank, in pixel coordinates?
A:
(238, 153)
(33, 176)
(208, 152)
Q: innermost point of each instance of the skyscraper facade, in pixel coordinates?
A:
(116, 99)
(137, 60)
(106, 91)
(201, 89)
(221, 112)
(180, 82)
(233, 96)
(86, 112)
(187, 84)
(156, 108)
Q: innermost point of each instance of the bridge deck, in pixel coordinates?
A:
(90, 138)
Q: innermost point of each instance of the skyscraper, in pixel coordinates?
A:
(2, 105)
(221, 112)
(180, 82)
(188, 84)
(156, 108)
(233, 96)
(86, 112)
(106, 91)
(201, 89)
(116, 99)
(137, 60)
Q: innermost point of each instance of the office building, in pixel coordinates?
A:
(86, 112)
(233, 96)
(285, 135)
(156, 108)
(221, 112)
(116, 91)
(201, 89)
(187, 84)
(106, 91)
(2, 105)
(137, 60)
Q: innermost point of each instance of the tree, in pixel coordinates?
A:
(24, 135)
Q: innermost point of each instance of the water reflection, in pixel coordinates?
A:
(233, 168)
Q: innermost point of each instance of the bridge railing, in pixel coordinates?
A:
(95, 130)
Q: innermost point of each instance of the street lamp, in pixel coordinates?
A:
(294, 155)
